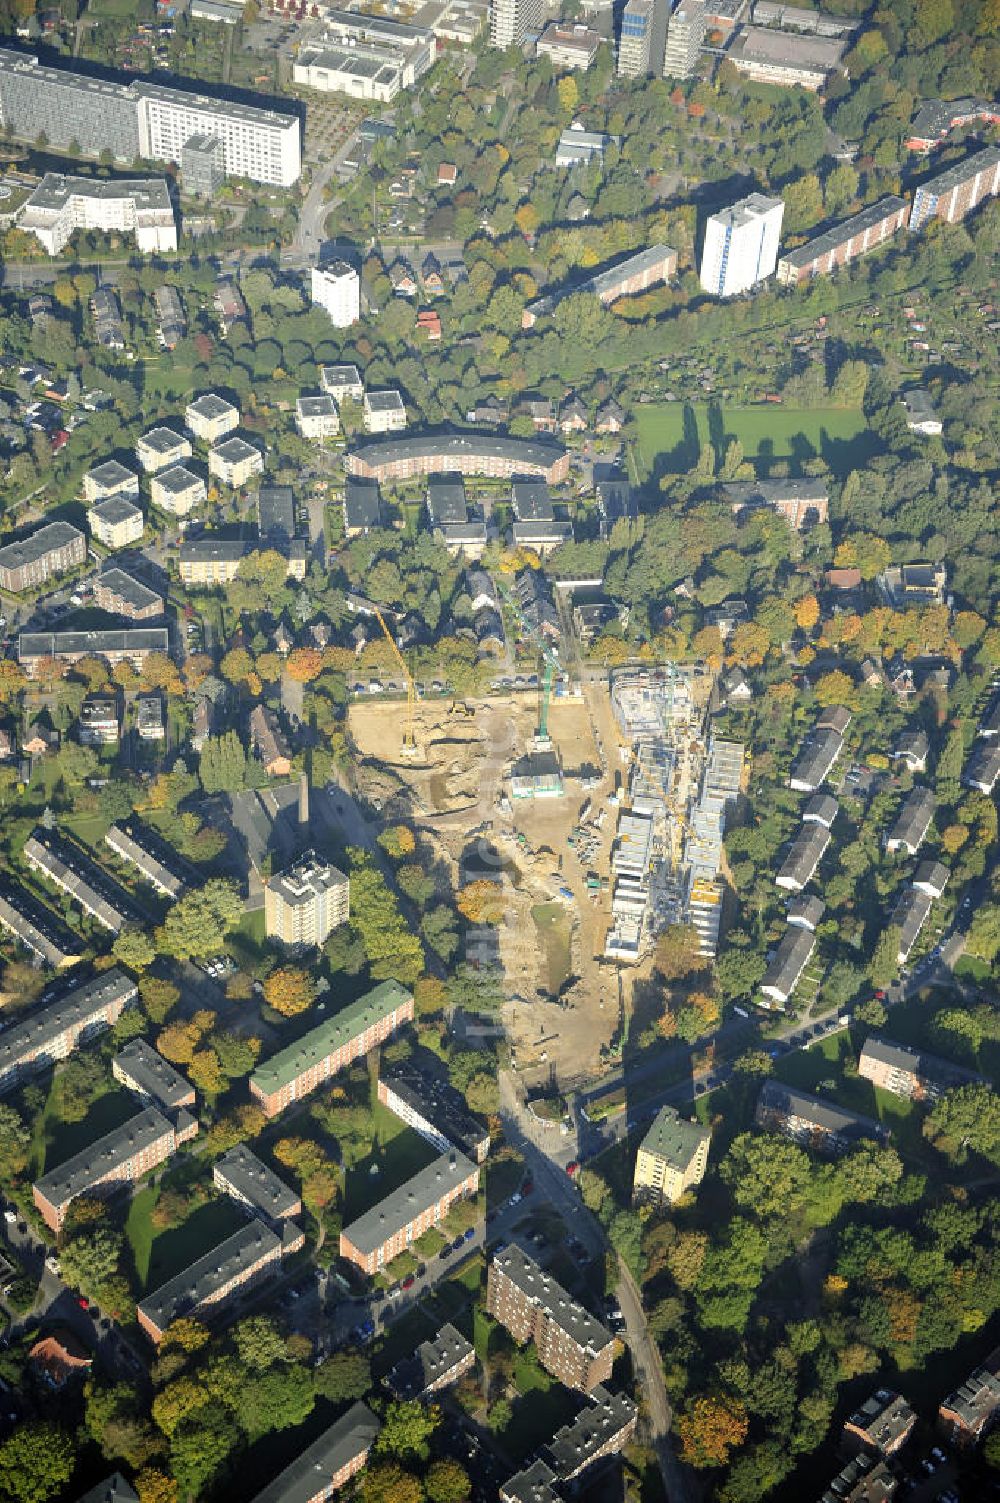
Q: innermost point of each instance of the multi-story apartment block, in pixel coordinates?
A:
(149, 718)
(116, 522)
(513, 22)
(212, 561)
(528, 1303)
(132, 646)
(140, 848)
(467, 454)
(178, 490)
(38, 930)
(243, 1260)
(935, 120)
(97, 724)
(956, 192)
(337, 290)
(342, 382)
(603, 1428)
(241, 1174)
(637, 273)
(107, 1166)
(865, 1479)
(854, 237)
(160, 448)
(52, 1032)
(685, 31)
(83, 882)
(392, 1226)
(741, 245)
(812, 1120)
(329, 1463)
(142, 1069)
(210, 417)
(60, 206)
(294, 1072)
(802, 503)
(435, 1365)
(121, 594)
(643, 38)
(235, 462)
(434, 1109)
(788, 59)
(317, 417)
(383, 411)
(973, 1409)
(110, 479)
(143, 119)
(51, 550)
(568, 46)
(883, 1424)
(910, 1072)
(303, 905)
(672, 1158)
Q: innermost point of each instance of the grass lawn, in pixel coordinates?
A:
(61, 1140)
(248, 939)
(538, 1414)
(139, 1230)
(167, 1253)
(669, 435)
(402, 1338)
(397, 1154)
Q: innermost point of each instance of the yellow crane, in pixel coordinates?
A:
(409, 733)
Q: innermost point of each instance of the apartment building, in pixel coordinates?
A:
(802, 503)
(909, 829)
(141, 848)
(911, 1073)
(433, 1108)
(60, 206)
(568, 46)
(785, 58)
(685, 33)
(804, 855)
(513, 22)
(337, 290)
(210, 417)
(160, 448)
(843, 243)
(245, 1259)
(37, 930)
(142, 1069)
(149, 721)
(317, 418)
(50, 550)
(83, 882)
(241, 1175)
(642, 39)
(812, 1120)
(741, 245)
(435, 1365)
(107, 1166)
(953, 194)
(121, 594)
(972, 1410)
(395, 1223)
(342, 382)
(788, 963)
(143, 119)
(937, 118)
(882, 1424)
(491, 455)
(671, 1160)
(171, 323)
(210, 561)
(97, 724)
(116, 522)
(132, 646)
(528, 1303)
(636, 273)
(816, 759)
(864, 1479)
(383, 412)
(603, 1428)
(53, 1031)
(178, 490)
(235, 462)
(295, 1071)
(203, 165)
(303, 905)
(110, 479)
(329, 1463)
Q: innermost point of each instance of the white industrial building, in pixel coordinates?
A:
(365, 56)
(337, 290)
(61, 205)
(741, 245)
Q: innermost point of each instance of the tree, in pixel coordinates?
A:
(87, 1261)
(154, 1486)
(223, 764)
(483, 1094)
(196, 926)
(710, 1427)
(835, 688)
(885, 960)
(304, 664)
(289, 990)
(407, 1426)
(569, 94)
(178, 1401)
(199, 1447)
(806, 612)
(967, 1117)
(677, 952)
(447, 1482)
(179, 1040)
(159, 997)
(766, 1173)
(481, 902)
(397, 841)
(78, 1084)
(259, 1342)
(134, 948)
(345, 1375)
(274, 1400)
(15, 1142)
(36, 1461)
(386, 1482)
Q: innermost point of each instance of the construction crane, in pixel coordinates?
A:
(409, 732)
(549, 657)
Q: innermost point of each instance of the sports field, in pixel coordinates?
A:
(670, 435)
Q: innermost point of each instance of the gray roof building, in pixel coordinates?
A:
(537, 1483)
(446, 502)
(548, 1295)
(134, 596)
(910, 1072)
(804, 855)
(931, 877)
(911, 824)
(972, 1407)
(212, 1275)
(241, 1174)
(810, 1118)
(325, 1465)
(912, 747)
(36, 928)
(137, 642)
(434, 1108)
(142, 848)
(54, 1031)
(604, 1426)
(821, 809)
(434, 1365)
(393, 1214)
(805, 910)
(910, 915)
(362, 507)
(98, 1162)
(989, 726)
(114, 1489)
(983, 767)
(815, 760)
(531, 501)
(276, 511)
(144, 1070)
(790, 960)
(883, 1423)
(865, 1479)
(80, 878)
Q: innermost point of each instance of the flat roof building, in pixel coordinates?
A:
(49, 550)
(883, 1423)
(210, 561)
(121, 594)
(242, 1175)
(297, 1070)
(436, 1364)
(785, 58)
(972, 1409)
(958, 190)
(116, 522)
(160, 448)
(133, 646)
(246, 1258)
(392, 1226)
(331, 1461)
(802, 503)
(434, 1109)
(210, 417)
(601, 1429)
(142, 1069)
(570, 1343)
(52, 1032)
(568, 46)
(342, 382)
(672, 1158)
(178, 490)
(303, 905)
(865, 1479)
(844, 242)
(60, 206)
(627, 278)
(741, 245)
(107, 1166)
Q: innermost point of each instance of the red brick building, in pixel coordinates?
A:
(492, 455)
(392, 1226)
(331, 1461)
(246, 1258)
(956, 192)
(570, 1343)
(843, 243)
(107, 1166)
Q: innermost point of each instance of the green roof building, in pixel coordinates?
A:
(672, 1157)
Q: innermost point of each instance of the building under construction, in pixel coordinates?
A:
(680, 784)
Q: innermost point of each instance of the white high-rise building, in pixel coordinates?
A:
(741, 245)
(337, 290)
(685, 31)
(511, 21)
